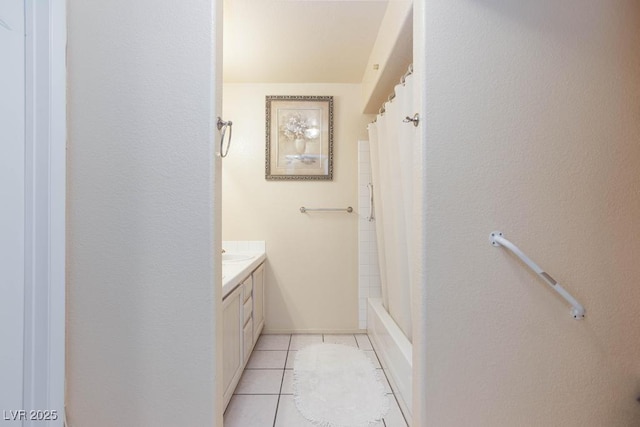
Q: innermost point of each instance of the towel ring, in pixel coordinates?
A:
(222, 125)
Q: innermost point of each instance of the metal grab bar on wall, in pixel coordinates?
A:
(370, 218)
(348, 209)
(577, 310)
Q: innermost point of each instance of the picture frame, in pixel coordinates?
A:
(299, 137)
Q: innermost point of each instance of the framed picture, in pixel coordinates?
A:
(299, 133)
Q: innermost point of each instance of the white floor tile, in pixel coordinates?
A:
(250, 411)
(363, 342)
(288, 415)
(372, 356)
(273, 342)
(394, 417)
(260, 381)
(262, 359)
(341, 339)
(287, 382)
(299, 342)
(291, 358)
(255, 403)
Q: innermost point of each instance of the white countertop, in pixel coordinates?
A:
(234, 272)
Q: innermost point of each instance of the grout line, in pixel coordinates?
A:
(357, 345)
(384, 423)
(400, 409)
(368, 339)
(377, 358)
(384, 372)
(262, 369)
(254, 394)
(387, 379)
(275, 416)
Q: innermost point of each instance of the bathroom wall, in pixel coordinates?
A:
(312, 259)
(141, 294)
(532, 128)
(390, 56)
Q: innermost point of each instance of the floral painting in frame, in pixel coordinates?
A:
(299, 133)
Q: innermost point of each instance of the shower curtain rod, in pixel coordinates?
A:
(393, 94)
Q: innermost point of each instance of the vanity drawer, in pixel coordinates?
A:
(248, 308)
(248, 287)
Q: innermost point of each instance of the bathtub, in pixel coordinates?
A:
(394, 351)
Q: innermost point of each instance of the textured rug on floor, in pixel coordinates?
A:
(338, 386)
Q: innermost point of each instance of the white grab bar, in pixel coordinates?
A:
(497, 239)
(370, 218)
(348, 209)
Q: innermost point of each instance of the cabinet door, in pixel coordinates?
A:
(248, 339)
(258, 301)
(231, 341)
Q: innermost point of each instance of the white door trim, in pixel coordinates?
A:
(45, 199)
(419, 291)
(12, 214)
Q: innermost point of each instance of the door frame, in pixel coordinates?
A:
(419, 291)
(45, 209)
(12, 213)
(419, 287)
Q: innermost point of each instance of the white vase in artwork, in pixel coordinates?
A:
(301, 145)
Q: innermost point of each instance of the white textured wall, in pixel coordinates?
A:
(391, 53)
(533, 128)
(141, 320)
(312, 259)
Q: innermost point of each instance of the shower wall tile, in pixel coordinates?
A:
(369, 284)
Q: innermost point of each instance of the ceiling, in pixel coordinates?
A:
(299, 41)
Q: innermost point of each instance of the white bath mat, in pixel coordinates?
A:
(337, 386)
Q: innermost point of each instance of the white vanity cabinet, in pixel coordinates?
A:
(242, 322)
(247, 322)
(232, 357)
(258, 301)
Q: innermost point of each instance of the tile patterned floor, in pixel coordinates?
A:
(264, 396)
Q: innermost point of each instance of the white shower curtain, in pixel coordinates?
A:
(392, 143)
